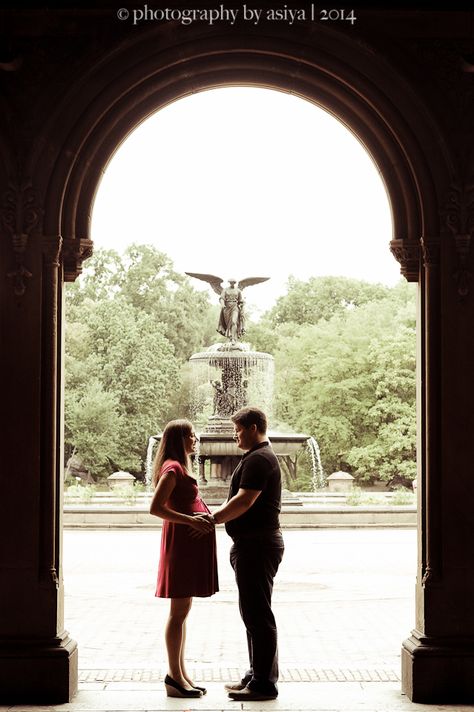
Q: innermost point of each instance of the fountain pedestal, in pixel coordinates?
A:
(227, 377)
(217, 445)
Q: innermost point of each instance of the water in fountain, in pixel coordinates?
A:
(197, 459)
(318, 479)
(229, 376)
(149, 460)
(226, 377)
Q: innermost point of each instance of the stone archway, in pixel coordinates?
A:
(399, 143)
(105, 101)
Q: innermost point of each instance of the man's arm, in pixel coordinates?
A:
(236, 506)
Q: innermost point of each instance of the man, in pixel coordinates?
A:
(251, 516)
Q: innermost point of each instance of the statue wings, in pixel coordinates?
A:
(251, 280)
(216, 282)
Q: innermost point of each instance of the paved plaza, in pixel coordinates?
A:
(344, 601)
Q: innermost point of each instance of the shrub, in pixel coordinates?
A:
(83, 493)
(402, 495)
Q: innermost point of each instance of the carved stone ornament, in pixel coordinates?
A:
(74, 252)
(430, 248)
(19, 215)
(430, 578)
(463, 275)
(408, 255)
(458, 222)
(51, 246)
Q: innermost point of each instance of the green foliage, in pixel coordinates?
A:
(354, 498)
(265, 336)
(401, 496)
(128, 493)
(92, 423)
(303, 482)
(99, 280)
(349, 379)
(344, 355)
(322, 298)
(145, 279)
(81, 493)
(130, 325)
(357, 497)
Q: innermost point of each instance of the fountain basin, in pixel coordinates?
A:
(222, 444)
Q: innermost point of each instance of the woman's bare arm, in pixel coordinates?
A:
(159, 505)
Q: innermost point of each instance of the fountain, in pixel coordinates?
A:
(318, 479)
(226, 377)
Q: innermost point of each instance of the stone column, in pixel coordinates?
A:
(216, 467)
(438, 657)
(202, 470)
(38, 659)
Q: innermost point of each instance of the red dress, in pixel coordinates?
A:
(188, 565)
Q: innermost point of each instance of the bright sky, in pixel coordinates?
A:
(247, 182)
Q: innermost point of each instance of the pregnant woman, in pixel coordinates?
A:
(188, 562)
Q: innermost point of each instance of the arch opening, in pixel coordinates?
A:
(165, 242)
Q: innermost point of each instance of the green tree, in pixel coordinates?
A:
(307, 302)
(392, 451)
(265, 336)
(99, 280)
(128, 354)
(149, 282)
(132, 323)
(145, 278)
(349, 381)
(93, 426)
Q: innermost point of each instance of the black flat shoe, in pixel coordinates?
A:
(202, 690)
(174, 689)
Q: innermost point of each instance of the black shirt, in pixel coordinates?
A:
(258, 470)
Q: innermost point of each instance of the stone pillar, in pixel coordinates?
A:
(202, 470)
(215, 470)
(438, 657)
(38, 659)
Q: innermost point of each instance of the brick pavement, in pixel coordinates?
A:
(344, 601)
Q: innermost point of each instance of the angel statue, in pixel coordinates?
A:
(232, 317)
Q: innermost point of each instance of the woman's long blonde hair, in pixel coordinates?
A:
(172, 447)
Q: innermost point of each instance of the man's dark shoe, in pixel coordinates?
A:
(235, 687)
(248, 694)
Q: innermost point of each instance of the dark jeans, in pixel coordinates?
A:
(255, 561)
